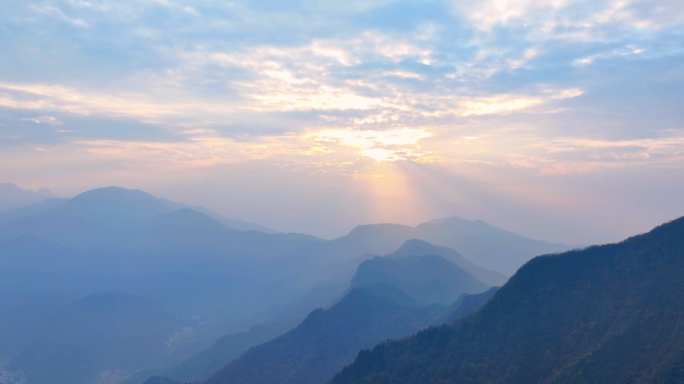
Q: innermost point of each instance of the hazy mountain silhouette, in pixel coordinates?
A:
(467, 305)
(119, 232)
(12, 196)
(113, 239)
(205, 363)
(107, 200)
(605, 314)
(70, 343)
(238, 225)
(420, 248)
(328, 339)
(479, 242)
(8, 216)
(428, 278)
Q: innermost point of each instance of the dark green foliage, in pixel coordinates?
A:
(429, 278)
(328, 339)
(606, 314)
(467, 305)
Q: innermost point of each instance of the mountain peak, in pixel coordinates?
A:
(428, 278)
(13, 196)
(460, 222)
(372, 229)
(113, 193)
(417, 247)
(117, 200)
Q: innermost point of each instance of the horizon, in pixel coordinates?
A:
(328, 236)
(46, 193)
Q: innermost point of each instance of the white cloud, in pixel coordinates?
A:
(44, 120)
(52, 10)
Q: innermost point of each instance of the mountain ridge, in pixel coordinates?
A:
(429, 278)
(607, 313)
(327, 339)
(419, 247)
(13, 196)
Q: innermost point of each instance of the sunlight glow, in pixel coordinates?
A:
(388, 145)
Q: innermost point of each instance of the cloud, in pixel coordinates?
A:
(573, 19)
(391, 145)
(51, 10)
(44, 120)
(546, 89)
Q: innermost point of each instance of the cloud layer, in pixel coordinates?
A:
(555, 89)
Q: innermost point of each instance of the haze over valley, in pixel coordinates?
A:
(325, 192)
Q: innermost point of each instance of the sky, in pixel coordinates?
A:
(561, 120)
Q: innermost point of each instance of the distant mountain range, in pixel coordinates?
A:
(386, 294)
(43, 200)
(328, 339)
(114, 282)
(605, 314)
(71, 342)
(223, 280)
(118, 232)
(421, 248)
(479, 242)
(205, 363)
(12, 196)
(427, 278)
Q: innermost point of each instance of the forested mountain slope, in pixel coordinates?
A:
(605, 314)
(328, 339)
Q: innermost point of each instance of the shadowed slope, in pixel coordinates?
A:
(606, 314)
(420, 248)
(328, 339)
(428, 278)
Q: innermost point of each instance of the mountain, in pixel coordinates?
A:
(479, 242)
(428, 278)
(420, 248)
(605, 314)
(113, 239)
(181, 257)
(238, 225)
(160, 380)
(467, 305)
(328, 339)
(228, 348)
(118, 197)
(8, 216)
(201, 365)
(12, 196)
(108, 214)
(50, 341)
